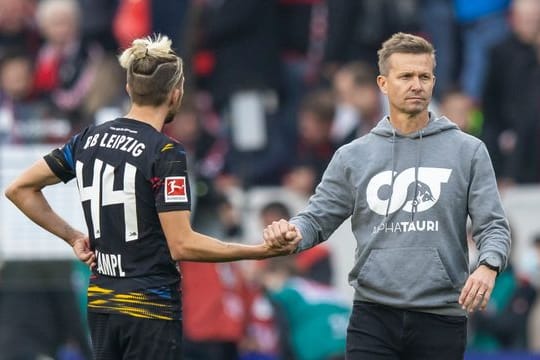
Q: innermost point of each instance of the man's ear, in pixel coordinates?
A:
(176, 96)
(381, 81)
(128, 90)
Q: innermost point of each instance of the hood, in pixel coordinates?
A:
(434, 126)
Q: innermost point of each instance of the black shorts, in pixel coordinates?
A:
(123, 337)
(378, 332)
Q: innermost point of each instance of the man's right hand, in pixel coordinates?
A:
(81, 248)
(281, 236)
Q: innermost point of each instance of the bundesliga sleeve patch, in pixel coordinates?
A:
(175, 189)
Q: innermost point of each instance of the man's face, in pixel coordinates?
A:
(61, 27)
(16, 78)
(409, 82)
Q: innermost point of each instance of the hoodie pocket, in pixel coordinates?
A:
(415, 276)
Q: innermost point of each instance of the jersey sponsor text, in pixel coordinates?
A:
(117, 142)
(109, 264)
(407, 226)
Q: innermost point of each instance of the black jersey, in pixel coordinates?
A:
(127, 172)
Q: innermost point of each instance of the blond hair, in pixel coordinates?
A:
(153, 69)
(405, 44)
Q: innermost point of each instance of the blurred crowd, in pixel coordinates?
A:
(273, 88)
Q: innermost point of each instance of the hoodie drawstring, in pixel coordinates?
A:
(416, 169)
(393, 172)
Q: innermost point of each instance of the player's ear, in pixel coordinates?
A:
(128, 90)
(381, 81)
(176, 96)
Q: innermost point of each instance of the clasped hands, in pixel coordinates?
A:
(281, 237)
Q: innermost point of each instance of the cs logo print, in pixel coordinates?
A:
(428, 189)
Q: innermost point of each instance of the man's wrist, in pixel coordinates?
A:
(74, 237)
(490, 266)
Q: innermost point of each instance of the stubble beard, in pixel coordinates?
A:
(172, 112)
(169, 118)
(415, 109)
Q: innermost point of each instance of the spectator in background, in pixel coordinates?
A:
(263, 340)
(314, 147)
(483, 24)
(438, 23)
(268, 329)
(39, 312)
(357, 27)
(266, 338)
(17, 26)
(65, 67)
(24, 117)
(302, 41)
(360, 103)
(133, 19)
(461, 108)
(510, 98)
(215, 308)
(206, 156)
(314, 264)
(504, 323)
(534, 268)
(316, 315)
(244, 83)
(97, 23)
(244, 37)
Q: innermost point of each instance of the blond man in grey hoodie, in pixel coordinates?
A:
(409, 187)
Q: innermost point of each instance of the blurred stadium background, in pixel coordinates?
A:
(273, 88)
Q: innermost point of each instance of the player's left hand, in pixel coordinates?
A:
(81, 248)
(477, 290)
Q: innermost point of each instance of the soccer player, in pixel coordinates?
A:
(409, 186)
(135, 194)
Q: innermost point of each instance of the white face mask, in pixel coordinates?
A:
(529, 265)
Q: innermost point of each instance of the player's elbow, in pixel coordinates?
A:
(180, 253)
(13, 192)
(180, 249)
(176, 254)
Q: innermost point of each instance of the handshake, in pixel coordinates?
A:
(281, 237)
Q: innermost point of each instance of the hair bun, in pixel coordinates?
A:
(158, 46)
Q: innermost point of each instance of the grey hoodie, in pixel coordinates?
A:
(411, 251)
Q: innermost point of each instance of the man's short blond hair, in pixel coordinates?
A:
(405, 44)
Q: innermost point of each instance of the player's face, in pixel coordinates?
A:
(409, 82)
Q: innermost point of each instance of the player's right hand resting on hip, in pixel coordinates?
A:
(81, 248)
